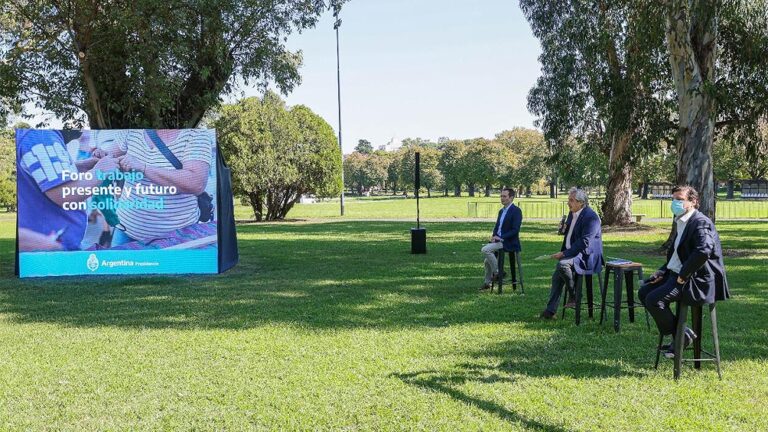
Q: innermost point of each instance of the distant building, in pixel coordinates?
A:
(393, 144)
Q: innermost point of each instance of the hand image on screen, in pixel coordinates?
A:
(174, 167)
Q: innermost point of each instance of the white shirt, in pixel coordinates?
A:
(674, 263)
(501, 219)
(179, 210)
(570, 228)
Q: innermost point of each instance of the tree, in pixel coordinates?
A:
(451, 164)
(656, 166)
(7, 170)
(364, 146)
(148, 64)
(484, 163)
(692, 42)
(530, 156)
(717, 52)
(376, 166)
(354, 171)
(604, 78)
(281, 154)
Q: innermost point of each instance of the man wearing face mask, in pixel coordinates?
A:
(694, 271)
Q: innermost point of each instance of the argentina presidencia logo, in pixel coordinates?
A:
(93, 263)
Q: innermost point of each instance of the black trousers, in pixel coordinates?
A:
(657, 298)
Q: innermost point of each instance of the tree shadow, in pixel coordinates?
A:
(447, 384)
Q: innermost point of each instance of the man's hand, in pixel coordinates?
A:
(656, 276)
(99, 153)
(558, 256)
(680, 280)
(130, 163)
(106, 164)
(495, 239)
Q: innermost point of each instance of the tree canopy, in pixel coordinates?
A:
(145, 63)
(278, 153)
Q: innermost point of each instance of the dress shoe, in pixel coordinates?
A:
(547, 315)
(688, 337)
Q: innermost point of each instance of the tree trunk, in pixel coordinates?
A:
(487, 191)
(617, 207)
(730, 189)
(691, 40)
(552, 189)
(457, 191)
(254, 198)
(645, 190)
(471, 188)
(445, 192)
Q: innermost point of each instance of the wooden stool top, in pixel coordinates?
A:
(624, 265)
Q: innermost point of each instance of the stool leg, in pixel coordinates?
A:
(512, 270)
(564, 293)
(618, 275)
(629, 278)
(500, 269)
(713, 319)
(639, 284)
(590, 300)
(696, 318)
(682, 311)
(658, 351)
(579, 281)
(520, 271)
(603, 292)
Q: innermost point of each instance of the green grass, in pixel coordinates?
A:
(335, 326)
(387, 207)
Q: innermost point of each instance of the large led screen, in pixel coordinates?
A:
(116, 201)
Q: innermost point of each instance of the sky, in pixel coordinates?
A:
(419, 68)
(416, 69)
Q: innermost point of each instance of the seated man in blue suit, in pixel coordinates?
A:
(694, 271)
(506, 234)
(581, 251)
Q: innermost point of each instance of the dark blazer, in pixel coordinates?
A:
(586, 242)
(702, 257)
(510, 228)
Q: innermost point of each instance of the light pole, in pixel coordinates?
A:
(336, 25)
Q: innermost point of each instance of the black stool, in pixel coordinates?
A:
(514, 258)
(622, 272)
(696, 311)
(590, 304)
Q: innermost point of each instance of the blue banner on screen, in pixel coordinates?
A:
(116, 201)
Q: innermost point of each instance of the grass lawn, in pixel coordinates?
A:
(335, 326)
(438, 207)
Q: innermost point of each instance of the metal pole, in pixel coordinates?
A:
(336, 26)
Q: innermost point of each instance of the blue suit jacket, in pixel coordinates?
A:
(510, 228)
(702, 257)
(586, 242)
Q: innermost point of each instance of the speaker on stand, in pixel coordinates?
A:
(418, 234)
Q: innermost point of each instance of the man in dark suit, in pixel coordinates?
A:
(580, 253)
(694, 271)
(506, 234)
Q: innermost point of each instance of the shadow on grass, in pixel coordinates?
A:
(449, 385)
(346, 275)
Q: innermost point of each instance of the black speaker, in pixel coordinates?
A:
(418, 240)
(417, 177)
(418, 234)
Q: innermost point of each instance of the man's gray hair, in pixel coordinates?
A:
(579, 195)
